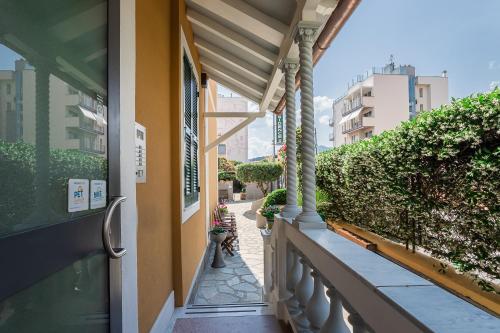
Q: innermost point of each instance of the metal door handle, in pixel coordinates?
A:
(113, 253)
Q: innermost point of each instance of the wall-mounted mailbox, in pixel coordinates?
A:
(140, 153)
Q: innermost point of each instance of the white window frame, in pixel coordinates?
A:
(187, 212)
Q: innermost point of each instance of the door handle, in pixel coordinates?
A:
(113, 253)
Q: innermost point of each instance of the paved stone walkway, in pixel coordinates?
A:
(242, 279)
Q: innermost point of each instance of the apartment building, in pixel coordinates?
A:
(381, 99)
(76, 120)
(234, 148)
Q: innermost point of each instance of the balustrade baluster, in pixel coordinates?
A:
(292, 279)
(358, 324)
(317, 309)
(335, 322)
(303, 292)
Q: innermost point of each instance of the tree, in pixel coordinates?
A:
(262, 173)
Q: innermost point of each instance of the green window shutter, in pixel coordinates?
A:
(191, 143)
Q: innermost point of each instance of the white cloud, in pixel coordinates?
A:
(324, 119)
(258, 146)
(269, 119)
(253, 107)
(493, 64)
(494, 84)
(322, 104)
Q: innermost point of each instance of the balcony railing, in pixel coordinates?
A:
(361, 123)
(377, 294)
(356, 104)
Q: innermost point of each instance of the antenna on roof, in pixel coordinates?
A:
(391, 59)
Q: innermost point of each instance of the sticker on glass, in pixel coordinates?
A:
(78, 195)
(97, 194)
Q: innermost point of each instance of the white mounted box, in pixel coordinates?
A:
(140, 153)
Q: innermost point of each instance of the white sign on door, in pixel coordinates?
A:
(97, 194)
(78, 195)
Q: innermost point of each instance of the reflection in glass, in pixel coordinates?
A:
(71, 300)
(53, 107)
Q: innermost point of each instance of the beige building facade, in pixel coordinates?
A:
(382, 99)
(234, 148)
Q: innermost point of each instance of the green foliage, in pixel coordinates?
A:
(225, 165)
(276, 197)
(17, 168)
(269, 212)
(226, 176)
(261, 173)
(433, 182)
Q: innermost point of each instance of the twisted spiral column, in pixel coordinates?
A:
(291, 209)
(305, 37)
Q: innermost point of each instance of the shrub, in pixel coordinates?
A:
(269, 212)
(276, 197)
(226, 176)
(433, 182)
(261, 173)
(17, 168)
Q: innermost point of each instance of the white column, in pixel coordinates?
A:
(318, 308)
(292, 279)
(335, 322)
(309, 218)
(358, 324)
(291, 210)
(303, 292)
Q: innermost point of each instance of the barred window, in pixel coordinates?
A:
(191, 179)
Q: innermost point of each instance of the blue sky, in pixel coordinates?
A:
(460, 36)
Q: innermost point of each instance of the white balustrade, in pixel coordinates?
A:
(366, 292)
(317, 308)
(303, 292)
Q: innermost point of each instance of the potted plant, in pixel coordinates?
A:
(269, 212)
(223, 210)
(243, 194)
(218, 235)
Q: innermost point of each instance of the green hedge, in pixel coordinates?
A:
(433, 182)
(17, 170)
(276, 197)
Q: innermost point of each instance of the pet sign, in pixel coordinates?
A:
(97, 194)
(78, 195)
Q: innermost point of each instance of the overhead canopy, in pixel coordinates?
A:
(242, 43)
(350, 116)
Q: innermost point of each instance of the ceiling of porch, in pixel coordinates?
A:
(242, 43)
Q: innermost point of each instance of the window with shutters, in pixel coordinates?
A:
(190, 133)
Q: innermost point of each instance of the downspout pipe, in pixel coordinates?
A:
(339, 17)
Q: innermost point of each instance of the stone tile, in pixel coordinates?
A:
(245, 287)
(233, 281)
(249, 278)
(242, 279)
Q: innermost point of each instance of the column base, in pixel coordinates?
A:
(290, 211)
(309, 220)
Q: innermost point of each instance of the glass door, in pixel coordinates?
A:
(59, 166)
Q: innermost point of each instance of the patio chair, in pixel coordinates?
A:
(228, 223)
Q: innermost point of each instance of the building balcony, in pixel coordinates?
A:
(331, 121)
(361, 123)
(331, 136)
(365, 102)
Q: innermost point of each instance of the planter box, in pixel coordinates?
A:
(261, 221)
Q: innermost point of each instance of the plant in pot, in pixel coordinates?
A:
(218, 235)
(243, 194)
(269, 212)
(223, 210)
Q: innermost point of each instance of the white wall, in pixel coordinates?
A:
(237, 144)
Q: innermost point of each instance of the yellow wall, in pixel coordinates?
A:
(168, 251)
